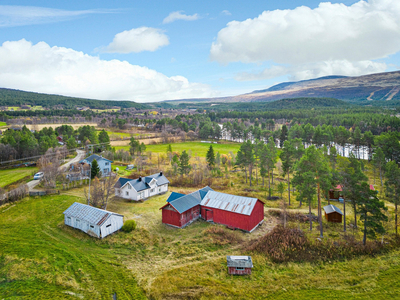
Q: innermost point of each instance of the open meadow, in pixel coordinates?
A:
(41, 258)
(10, 176)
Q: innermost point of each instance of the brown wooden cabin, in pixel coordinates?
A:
(239, 265)
(333, 214)
(336, 193)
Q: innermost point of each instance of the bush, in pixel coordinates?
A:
(129, 226)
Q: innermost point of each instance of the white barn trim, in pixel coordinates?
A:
(93, 221)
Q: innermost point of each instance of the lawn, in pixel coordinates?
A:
(195, 148)
(2, 124)
(41, 258)
(10, 176)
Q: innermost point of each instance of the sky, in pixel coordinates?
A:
(148, 51)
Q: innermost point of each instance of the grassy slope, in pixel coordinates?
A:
(3, 124)
(197, 148)
(10, 176)
(41, 258)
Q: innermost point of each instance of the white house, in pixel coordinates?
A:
(94, 221)
(141, 188)
(104, 163)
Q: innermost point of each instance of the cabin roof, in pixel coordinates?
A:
(90, 214)
(239, 261)
(332, 208)
(142, 183)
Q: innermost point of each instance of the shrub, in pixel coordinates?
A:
(221, 236)
(129, 225)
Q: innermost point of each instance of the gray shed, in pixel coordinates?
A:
(239, 265)
(94, 221)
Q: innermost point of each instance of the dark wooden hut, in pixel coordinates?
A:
(333, 214)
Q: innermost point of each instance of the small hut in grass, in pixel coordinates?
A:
(333, 214)
(239, 265)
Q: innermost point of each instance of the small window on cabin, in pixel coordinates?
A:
(108, 225)
(91, 226)
(106, 163)
(77, 220)
(239, 268)
(127, 193)
(68, 218)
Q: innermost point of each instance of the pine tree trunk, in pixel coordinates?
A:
(365, 230)
(395, 216)
(250, 173)
(355, 215)
(288, 180)
(380, 175)
(320, 213)
(344, 215)
(269, 184)
(309, 210)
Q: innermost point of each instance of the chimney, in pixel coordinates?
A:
(140, 178)
(161, 173)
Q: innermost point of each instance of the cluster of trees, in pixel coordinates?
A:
(17, 144)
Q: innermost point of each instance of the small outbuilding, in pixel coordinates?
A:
(239, 265)
(333, 214)
(94, 221)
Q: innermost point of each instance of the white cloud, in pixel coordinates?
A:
(315, 70)
(178, 15)
(318, 38)
(226, 12)
(64, 71)
(138, 40)
(12, 15)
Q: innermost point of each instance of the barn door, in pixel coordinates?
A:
(209, 215)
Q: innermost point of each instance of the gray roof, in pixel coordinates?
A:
(90, 214)
(237, 204)
(186, 202)
(239, 261)
(141, 184)
(92, 157)
(332, 208)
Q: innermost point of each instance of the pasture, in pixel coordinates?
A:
(42, 258)
(9, 176)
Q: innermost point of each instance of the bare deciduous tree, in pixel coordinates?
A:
(100, 191)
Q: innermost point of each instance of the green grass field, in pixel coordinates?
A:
(41, 258)
(196, 148)
(10, 176)
(2, 124)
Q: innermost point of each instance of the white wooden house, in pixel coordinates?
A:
(94, 221)
(141, 188)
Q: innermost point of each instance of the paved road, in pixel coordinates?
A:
(80, 155)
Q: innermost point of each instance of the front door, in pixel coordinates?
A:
(209, 215)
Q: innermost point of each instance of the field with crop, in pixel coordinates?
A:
(10, 176)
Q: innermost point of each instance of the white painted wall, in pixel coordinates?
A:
(113, 224)
(132, 194)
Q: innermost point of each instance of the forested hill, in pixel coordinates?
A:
(292, 103)
(10, 97)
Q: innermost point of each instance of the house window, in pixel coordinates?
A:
(68, 218)
(106, 164)
(105, 171)
(239, 268)
(129, 187)
(91, 226)
(108, 225)
(152, 191)
(127, 193)
(159, 189)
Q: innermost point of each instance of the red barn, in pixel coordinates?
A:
(181, 210)
(239, 265)
(233, 211)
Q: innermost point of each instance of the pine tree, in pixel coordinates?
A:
(184, 167)
(134, 146)
(392, 183)
(95, 169)
(378, 159)
(210, 157)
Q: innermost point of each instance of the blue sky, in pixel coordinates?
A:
(160, 50)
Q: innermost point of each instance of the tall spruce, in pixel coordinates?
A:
(392, 183)
(210, 156)
(312, 176)
(184, 167)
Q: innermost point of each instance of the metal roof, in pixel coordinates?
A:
(174, 196)
(142, 184)
(94, 157)
(239, 261)
(185, 202)
(90, 214)
(236, 204)
(332, 208)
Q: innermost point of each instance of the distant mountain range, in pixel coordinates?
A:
(373, 87)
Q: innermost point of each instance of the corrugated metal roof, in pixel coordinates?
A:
(185, 202)
(90, 214)
(94, 156)
(332, 208)
(239, 261)
(233, 203)
(174, 196)
(143, 183)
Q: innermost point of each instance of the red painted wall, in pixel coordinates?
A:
(237, 220)
(233, 271)
(171, 217)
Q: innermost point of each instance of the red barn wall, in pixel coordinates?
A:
(257, 215)
(171, 216)
(233, 271)
(189, 215)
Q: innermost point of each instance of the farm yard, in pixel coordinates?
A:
(160, 262)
